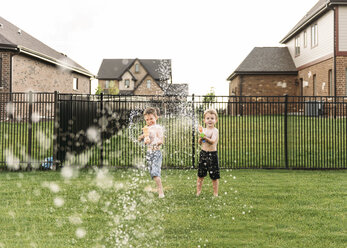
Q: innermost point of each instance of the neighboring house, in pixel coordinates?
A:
(266, 71)
(26, 64)
(138, 77)
(318, 48)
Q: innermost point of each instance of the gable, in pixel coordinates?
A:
(12, 37)
(159, 69)
(154, 89)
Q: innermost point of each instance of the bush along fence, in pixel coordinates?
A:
(42, 130)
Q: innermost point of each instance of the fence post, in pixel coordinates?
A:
(286, 130)
(56, 123)
(193, 133)
(101, 161)
(30, 130)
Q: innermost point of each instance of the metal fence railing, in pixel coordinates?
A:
(254, 132)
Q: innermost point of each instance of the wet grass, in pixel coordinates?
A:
(99, 208)
(245, 142)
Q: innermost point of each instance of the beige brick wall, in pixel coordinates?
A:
(321, 70)
(260, 85)
(269, 85)
(234, 88)
(341, 70)
(143, 90)
(6, 71)
(35, 75)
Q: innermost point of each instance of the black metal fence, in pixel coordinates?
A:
(38, 129)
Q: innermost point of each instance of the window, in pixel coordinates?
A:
(297, 46)
(107, 84)
(301, 86)
(305, 38)
(0, 72)
(75, 84)
(314, 35)
(314, 85)
(137, 68)
(148, 84)
(330, 82)
(127, 83)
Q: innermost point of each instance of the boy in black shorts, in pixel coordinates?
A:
(208, 162)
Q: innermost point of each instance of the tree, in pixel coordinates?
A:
(113, 90)
(209, 98)
(98, 90)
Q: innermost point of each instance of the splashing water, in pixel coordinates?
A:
(80, 232)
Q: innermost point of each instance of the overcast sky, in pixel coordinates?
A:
(206, 40)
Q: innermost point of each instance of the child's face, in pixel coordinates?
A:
(151, 119)
(210, 120)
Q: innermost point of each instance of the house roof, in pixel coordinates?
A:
(177, 89)
(114, 68)
(318, 9)
(266, 60)
(12, 37)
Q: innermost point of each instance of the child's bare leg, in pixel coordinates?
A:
(159, 186)
(215, 184)
(199, 182)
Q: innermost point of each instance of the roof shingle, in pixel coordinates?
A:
(267, 60)
(12, 36)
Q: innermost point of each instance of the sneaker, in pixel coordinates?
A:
(161, 196)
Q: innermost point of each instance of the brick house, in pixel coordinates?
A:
(28, 64)
(138, 77)
(317, 46)
(266, 71)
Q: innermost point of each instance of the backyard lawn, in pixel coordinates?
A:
(244, 142)
(120, 208)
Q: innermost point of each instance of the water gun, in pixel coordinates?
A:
(145, 132)
(202, 135)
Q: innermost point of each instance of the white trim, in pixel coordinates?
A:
(52, 60)
(291, 34)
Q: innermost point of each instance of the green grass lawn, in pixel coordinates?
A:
(245, 142)
(100, 208)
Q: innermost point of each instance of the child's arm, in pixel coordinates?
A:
(214, 137)
(141, 137)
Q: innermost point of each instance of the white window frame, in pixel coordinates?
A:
(305, 39)
(148, 83)
(297, 45)
(107, 84)
(314, 35)
(137, 68)
(127, 83)
(75, 83)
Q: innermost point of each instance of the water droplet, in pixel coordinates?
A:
(80, 233)
(58, 201)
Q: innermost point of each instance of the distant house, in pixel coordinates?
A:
(138, 77)
(28, 64)
(317, 48)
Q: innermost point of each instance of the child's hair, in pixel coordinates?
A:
(212, 112)
(150, 110)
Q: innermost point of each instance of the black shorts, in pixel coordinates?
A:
(208, 163)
